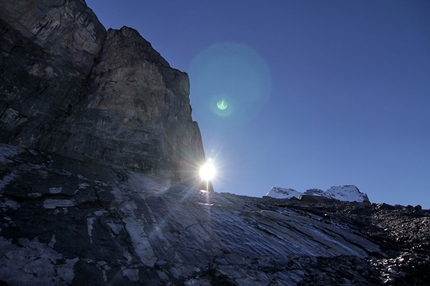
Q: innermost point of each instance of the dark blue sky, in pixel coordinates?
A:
(317, 93)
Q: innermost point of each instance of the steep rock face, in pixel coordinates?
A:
(137, 113)
(47, 51)
(66, 29)
(71, 88)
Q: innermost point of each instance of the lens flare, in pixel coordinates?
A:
(207, 171)
(222, 104)
(231, 84)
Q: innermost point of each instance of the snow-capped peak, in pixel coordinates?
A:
(283, 193)
(347, 193)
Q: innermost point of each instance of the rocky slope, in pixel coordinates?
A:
(70, 87)
(64, 222)
(95, 178)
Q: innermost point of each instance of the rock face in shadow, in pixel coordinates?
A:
(64, 222)
(95, 178)
(71, 88)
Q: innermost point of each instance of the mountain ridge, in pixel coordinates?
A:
(348, 193)
(98, 157)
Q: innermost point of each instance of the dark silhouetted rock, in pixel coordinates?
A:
(66, 222)
(313, 198)
(102, 151)
(70, 88)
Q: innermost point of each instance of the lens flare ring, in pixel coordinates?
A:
(235, 81)
(222, 104)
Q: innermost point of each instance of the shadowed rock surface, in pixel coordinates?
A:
(95, 178)
(64, 222)
(70, 87)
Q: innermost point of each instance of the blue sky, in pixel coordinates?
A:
(316, 93)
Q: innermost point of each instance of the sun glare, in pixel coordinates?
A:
(207, 171)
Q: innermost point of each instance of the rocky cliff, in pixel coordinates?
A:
(100, 143)
(71, 88)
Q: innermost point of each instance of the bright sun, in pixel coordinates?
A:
(207, 171)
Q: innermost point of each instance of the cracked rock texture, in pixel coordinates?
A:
(69, 87)
(65, 222)
(96, 178)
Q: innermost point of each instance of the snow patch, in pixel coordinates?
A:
(283, 193)
(347, 193)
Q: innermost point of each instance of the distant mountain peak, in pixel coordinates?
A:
(346, 193)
